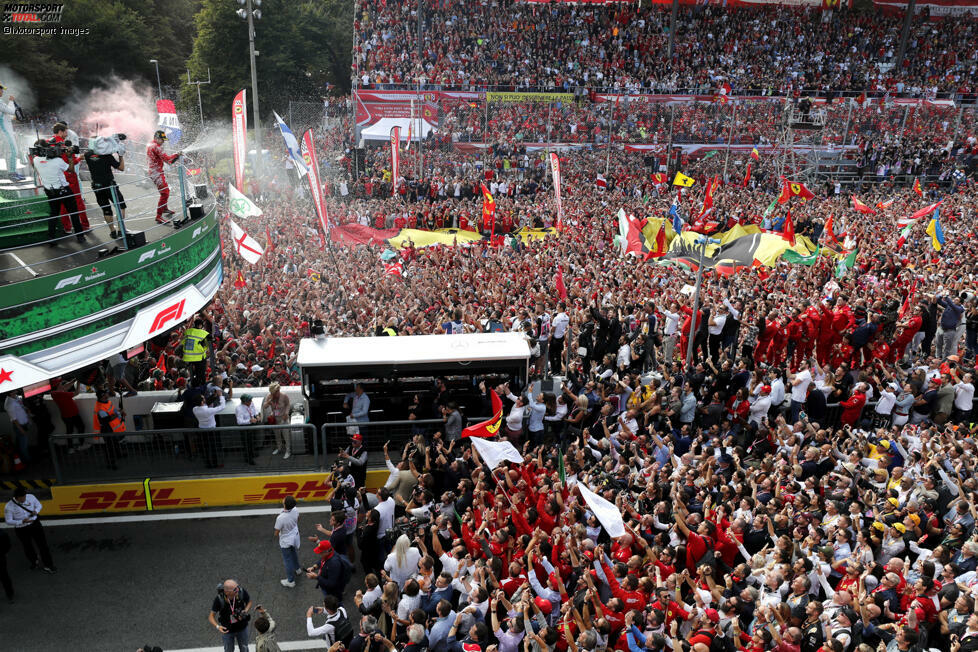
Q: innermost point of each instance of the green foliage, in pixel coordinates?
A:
(301, 45)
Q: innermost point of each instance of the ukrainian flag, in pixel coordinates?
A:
(935, 231)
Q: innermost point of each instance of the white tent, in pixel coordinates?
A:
(381, 130)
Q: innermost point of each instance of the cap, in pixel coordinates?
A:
(712, 615)
(245, 398)
(828, 551)
(160, 134)
(357, 436)
(893, 501)
(915, 518)
(879, 526)
(471, 647)
(935, 381)
(850, 614)
(885, 443)
(900, 527)
(323, 547)
(545, 605)
(765, 389)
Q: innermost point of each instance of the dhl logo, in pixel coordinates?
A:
(127, 499)
(277, 491)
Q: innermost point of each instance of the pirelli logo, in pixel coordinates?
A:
(32, 12)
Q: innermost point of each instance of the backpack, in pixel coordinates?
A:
(347, 571)
(343, 628)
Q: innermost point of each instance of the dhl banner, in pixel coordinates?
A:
(68, 500)
(529, 97)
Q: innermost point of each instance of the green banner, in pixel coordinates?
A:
(130, 278)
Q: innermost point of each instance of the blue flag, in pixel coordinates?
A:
(677, 221)
(935, 231)
(292, 144)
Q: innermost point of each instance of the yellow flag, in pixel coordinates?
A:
(682, 180)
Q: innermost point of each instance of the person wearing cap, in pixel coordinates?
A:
(761, 405)
(852, 407)
(329, 572)
(247, 415)
(155, 158)
(101, 159)
(355, 455)
(275, 410)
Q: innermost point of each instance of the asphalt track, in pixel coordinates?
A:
(123, 584)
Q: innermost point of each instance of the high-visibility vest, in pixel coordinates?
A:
(193, 344)
(390, 332)
(115, 423)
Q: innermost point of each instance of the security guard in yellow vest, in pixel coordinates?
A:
(196, 341)
(110, 423)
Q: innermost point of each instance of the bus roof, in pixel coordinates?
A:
(411, 349)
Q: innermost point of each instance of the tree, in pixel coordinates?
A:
(301, 45)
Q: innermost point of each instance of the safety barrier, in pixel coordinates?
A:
(337, 436)
(185, 453)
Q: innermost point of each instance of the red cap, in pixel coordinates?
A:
(324, 547)
(936, 381)
(545, 606)
(357, 436)
(713, 615)
(765, 389)
(471, 647)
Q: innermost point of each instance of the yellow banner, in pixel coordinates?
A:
(526, 234)
(420, 238)
(529, 97)
(67, 500)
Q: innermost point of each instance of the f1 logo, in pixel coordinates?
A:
(170, 313)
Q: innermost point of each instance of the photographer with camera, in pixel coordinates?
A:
(101, 159)
(9, 108)
(155, 158)
(229, 615)
(53, 172)
(68, 140)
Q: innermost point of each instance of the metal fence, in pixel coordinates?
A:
(336, 436)
(185, 452)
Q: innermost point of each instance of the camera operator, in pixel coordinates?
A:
(52, 172)
(69, 142)
(100, 162)
(8, 108)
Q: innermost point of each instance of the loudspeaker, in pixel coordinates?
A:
(135, 239)
(196, 211)
(200, 191)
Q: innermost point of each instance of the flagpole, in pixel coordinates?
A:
(726, 157)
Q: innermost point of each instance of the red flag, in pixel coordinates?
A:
(395, 167)
(660, 177)
(747, 176)
(311, 159)
(754, 154)
(559, 283)
(488, 209)
(240, 282)
(271, 351)
(917, 189)
(906, 302)
(861, 99)
(788, 231)
(239, 136)
(791, 189)
(925, 211)
(829, 230)
(394, 269)
(161, 365)
(489, 427)
(555, 169)
(708, 198)
(314, 275)
(860, 207)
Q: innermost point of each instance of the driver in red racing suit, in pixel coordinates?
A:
(155, 158)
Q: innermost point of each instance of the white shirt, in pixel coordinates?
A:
(20, 517)
(886, 402)
(287, 524)
(799, 392)
(205, 415)
(672, 322)
(717, 328)
(14, 407)
(560, 324)
(777, 391)
(402, 573)
(964, 395)
(386, 510)
(51, 171)
(244, 413)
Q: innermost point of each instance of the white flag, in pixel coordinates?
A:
(240, 205)
(245, 245)
(494, 453)
(607, 514)
(292, 145)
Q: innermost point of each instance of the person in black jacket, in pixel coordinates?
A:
(330, 573)
(8, 586)
(369, 544)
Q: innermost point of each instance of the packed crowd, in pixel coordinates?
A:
(770, 50)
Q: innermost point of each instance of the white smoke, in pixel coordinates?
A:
(122, 106)
(17, 87)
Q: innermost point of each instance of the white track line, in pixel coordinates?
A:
(22, 263)
(311, 644)
(189, 516)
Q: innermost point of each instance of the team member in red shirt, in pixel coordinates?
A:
(155, 158)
